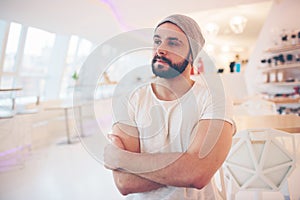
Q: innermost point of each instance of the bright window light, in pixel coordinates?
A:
(12, 47)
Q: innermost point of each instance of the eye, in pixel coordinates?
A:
(173, 43)
(156, 42)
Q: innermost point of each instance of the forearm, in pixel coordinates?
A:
(129, 183)
(176, 169)
(185, 171)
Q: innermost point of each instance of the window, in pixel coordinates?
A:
(40, 62)
(79, 49)
(37, 52)
(36, 61)
(12, 47)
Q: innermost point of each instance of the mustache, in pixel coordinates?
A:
(161, 58)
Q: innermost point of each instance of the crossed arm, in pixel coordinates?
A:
(126, 138)
(140, 172)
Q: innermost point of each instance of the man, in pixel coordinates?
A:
(175, 132)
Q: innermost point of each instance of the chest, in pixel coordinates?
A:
(166, 127)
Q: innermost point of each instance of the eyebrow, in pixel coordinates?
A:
(169, 38)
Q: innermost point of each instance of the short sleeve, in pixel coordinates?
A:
(217, 104)
(124, 109)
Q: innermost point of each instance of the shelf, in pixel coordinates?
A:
(284, 100)
(281, 67)
(280, 75)
(284, 48)
(296, 83)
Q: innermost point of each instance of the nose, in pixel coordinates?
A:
(161, 49)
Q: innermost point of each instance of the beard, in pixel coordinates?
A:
(173, 71)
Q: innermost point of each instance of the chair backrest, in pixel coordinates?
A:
(260, 159)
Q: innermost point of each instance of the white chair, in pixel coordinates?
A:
(27, 100)
(6, 105)
(259, 160)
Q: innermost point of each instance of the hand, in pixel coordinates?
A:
(115, 140)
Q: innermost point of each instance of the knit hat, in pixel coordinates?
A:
(190, 28)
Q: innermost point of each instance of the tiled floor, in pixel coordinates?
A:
(65, 172)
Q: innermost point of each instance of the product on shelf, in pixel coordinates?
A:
(280, 67)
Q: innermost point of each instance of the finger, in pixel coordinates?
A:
(115, 140)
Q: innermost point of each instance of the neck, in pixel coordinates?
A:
(172, 89)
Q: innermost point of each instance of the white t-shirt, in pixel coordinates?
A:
(168, 126)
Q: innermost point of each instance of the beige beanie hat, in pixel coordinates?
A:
(191, 29)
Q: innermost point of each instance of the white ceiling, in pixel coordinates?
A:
(98, 20)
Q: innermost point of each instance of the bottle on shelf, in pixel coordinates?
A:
(284, 60)
(293, 39)
(237, 63)
(284, 37)
(289, 58)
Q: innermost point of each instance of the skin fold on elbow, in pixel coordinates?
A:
(122, 186)
(201, 181)
(122, 183)
(123, 191)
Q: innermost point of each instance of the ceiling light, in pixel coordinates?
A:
(211, 29)
(209, 48)
(238, 24)
(225, 48)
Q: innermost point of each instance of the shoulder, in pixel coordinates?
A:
(141, 92)
(142, 95)
(210, 88)
(200, 92)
